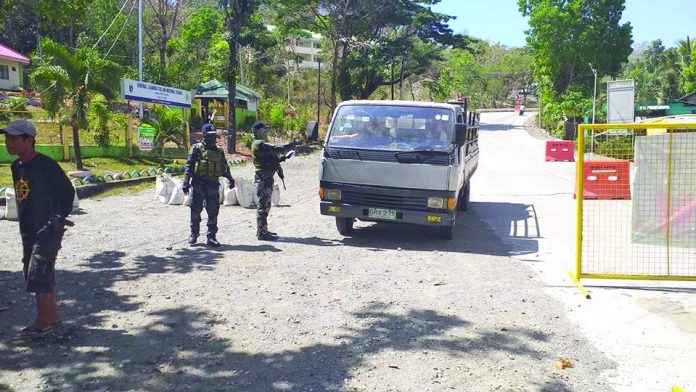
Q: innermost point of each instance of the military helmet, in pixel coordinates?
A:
(208, 129)
(259, 129)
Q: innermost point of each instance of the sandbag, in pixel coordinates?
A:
(275, 196)
(177, 196)
(244, 189)
(230, 197)
(75, 203)
(187, 199)
(224, 184)
(10, 205)
(163, 189)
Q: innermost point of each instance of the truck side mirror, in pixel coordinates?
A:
(459, 133)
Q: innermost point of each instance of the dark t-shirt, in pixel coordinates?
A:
(42, 190)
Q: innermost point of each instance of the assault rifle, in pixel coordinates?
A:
(279, 169)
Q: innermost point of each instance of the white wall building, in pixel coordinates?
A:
(11, 68)
(304, 52)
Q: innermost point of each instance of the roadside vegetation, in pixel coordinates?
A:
(377, 49)
(99, 166)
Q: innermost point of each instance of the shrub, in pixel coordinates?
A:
(247, 139)
(99, 124)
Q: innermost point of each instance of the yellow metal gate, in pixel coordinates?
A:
(636, 201)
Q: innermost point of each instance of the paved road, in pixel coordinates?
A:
(391, 308)
(646, 328)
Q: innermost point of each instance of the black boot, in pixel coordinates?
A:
(212, 242)
(192, 239)
(267, 236)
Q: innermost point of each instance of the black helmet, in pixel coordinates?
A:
(208, 129)
(259, 129)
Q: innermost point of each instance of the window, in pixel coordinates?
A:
(14, 69)
(393, 128)
(4, 72)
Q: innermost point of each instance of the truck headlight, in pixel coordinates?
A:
(436, 202)
(333, 194)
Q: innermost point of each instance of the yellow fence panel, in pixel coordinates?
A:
(636, 201)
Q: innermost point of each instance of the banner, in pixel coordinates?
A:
(146, 137)
(155, 93)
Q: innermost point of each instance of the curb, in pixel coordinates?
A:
(87, 191)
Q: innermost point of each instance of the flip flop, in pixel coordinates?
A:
(31, 332)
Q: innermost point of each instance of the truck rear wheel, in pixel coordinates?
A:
(464, 196)
(344, 225)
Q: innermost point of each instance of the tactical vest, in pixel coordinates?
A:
(211, 164)
(262, 158)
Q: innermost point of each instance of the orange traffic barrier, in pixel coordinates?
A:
(606, 180)
(560, 150)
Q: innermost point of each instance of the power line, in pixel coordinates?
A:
(111, 24)
(120, 32)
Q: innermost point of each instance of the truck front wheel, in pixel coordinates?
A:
(464, 196)
(344, 225)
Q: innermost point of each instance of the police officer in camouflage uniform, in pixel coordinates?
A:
(266, 161)
(204, 167)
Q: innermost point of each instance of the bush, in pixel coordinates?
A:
(99, 124)
(14, 108)
(247, 139)
(618, 147)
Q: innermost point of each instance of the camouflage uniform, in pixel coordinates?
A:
(266, 161)
(204, 167)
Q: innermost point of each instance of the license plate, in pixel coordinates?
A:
(381, 213)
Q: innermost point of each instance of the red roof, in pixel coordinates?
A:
(9, 54)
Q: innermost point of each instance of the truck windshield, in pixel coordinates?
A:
(394, 128)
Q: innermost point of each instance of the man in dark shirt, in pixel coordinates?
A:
(44, 200)
(266, 160)
(204, 167)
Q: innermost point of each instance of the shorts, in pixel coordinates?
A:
(39, 259)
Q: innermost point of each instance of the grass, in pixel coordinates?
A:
(98, 166)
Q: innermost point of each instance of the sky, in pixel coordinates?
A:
(501, 20)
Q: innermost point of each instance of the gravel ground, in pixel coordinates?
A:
(392, 308)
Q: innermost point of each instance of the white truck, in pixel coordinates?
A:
(399, 161)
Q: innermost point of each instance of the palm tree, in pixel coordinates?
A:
(61, 76)
(169, 126)
(686, 48)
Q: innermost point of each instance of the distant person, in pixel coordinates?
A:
(370, 135)
(266, 161)
(44, 200)
(204, 167)
(438, 131)
(521, 110)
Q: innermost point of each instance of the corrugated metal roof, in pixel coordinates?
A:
(10, 54)
(216, 89)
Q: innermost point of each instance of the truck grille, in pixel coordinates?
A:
(413, 203)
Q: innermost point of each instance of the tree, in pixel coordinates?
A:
(486, 73)
(168, 16)
(169, 127)
(567, 35)
(237, 16)
(61, 76)
(368, 38)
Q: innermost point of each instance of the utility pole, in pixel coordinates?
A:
(241, 65)
(594, 105)
(391, 81)
(318, 92)
(140, 49)
(594, 95)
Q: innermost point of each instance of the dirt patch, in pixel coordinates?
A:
(531, 126)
